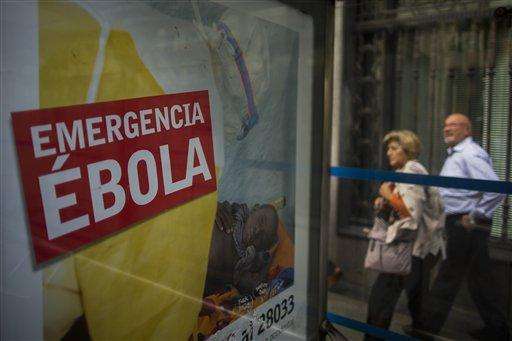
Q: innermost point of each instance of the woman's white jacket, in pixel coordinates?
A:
(427, 214)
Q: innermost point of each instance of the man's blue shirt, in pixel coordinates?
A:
(468, 160)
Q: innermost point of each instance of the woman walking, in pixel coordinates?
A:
(412, 236)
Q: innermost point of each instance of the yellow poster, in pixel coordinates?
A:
(194, 270)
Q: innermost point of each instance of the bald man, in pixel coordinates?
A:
(468, 225)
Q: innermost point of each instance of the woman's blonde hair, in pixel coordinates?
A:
(408, 140)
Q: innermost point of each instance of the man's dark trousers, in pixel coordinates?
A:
(467, 257)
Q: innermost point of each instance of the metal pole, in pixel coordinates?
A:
(336, 130)
(326, 163)
(452, 66)
(416, 76)
(489, 74)
(506, 204)
(432, 93)
(398, 93)
(471, 72)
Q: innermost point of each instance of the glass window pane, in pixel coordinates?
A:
(228, 258)
(408, 66)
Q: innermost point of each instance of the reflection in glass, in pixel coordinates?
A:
(409, 65)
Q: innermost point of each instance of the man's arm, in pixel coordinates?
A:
(479, 168)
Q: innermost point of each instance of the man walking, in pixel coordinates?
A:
(468, 226)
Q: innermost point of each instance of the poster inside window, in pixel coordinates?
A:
(155, 154)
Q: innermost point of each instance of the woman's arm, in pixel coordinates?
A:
(398, 205)
(396, 201)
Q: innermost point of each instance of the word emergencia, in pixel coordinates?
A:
(91, 170)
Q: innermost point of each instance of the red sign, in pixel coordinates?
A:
(91, 170)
